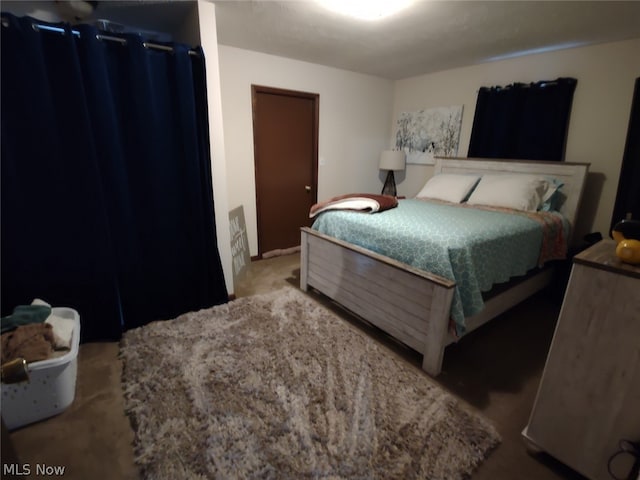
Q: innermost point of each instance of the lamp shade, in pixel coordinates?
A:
(392, 160)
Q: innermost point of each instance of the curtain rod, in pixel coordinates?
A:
(123, 41)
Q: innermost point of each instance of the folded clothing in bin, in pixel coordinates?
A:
(51, 385)
(37, 312)
(33, 332)
(33, 342)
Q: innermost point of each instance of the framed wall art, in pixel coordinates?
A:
(428, 133)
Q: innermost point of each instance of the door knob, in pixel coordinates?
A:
(307, 188)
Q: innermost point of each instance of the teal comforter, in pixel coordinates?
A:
(475, 247)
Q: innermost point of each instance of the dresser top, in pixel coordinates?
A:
(602, 255)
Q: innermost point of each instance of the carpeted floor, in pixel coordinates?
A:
(495, 370)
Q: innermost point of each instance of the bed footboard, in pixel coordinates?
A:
(409, 304)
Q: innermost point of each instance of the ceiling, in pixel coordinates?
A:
(429, 36)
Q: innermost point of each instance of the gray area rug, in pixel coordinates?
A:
(277, 386)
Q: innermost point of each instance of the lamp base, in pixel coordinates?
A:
(389, 187)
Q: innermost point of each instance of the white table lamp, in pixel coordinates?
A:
(391, 160)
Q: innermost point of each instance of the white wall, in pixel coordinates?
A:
(44, 11)
(355, 111)
(599, 117)
(209, 43)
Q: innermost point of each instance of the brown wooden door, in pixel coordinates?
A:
(285, 133)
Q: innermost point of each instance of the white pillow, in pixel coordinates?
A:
(520, 192)
(448, 186)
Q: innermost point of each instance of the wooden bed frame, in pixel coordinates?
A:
(410, 304)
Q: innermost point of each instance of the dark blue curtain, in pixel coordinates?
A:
(107, 201)
(627, 203)
(522, 121)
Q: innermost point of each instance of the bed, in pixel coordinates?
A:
(420, 305)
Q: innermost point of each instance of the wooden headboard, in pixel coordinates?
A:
(573, 175)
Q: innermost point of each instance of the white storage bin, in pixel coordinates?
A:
(51, 387)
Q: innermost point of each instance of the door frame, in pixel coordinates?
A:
(315, 97)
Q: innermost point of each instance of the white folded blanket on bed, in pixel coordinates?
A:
(361, 202)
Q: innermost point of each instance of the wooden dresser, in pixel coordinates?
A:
(589, 394)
